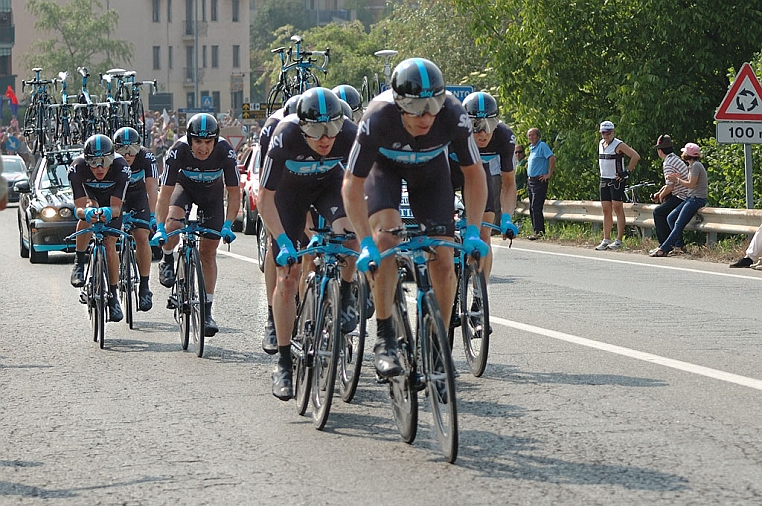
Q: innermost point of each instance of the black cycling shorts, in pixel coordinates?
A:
(137, 202)
(208, 198)
(612, 189)
(457, 178)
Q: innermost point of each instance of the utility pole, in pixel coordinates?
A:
(195, 53)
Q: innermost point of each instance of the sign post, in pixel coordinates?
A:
(739, 120)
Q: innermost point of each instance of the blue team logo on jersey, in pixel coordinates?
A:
(454, 157)
(137, 176)
(488, 158)
(203, 177)
(100, 185)
(412, 157)
(311, 167)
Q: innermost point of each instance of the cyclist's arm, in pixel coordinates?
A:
(269, 212)
(508, 192)
(152, 188)
(353, 193)
(80, 204)
(162, 204)
(474, 192)
(116, 206)
(234, 202)
(629, 152)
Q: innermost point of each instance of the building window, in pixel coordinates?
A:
(216, 100)
(156, 54)
(214, 10)
(203, 10)
(169, 11)
(236, 56)
(169, 57)
(190, 99)
(215, 57)
(203, 56)
(155, 10)
(236, 8)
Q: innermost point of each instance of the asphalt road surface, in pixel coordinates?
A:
(613, 378)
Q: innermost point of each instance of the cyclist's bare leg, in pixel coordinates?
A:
(384, 280)
(339, 226)
(112, 260)
(174, 216)
(207, 251)
(284, 306)
(485, 233)
(271, 276)
(621, 220)
(82, 240)
(608, 219)
(142, 251)
(443, 278)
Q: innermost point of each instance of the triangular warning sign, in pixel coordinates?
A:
(235, 141)
(743, 101)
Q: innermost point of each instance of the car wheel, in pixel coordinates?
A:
(262, 240)
(23, 250)
(249, 223)
(237, 225)
(36, 257)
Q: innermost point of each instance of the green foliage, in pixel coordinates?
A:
(79, 36)
(274, 14)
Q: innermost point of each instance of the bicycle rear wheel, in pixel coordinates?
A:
(127, 279)
(99, 293)
(365, 92)
(276, 98)
(475, 317)
(353, 343)
(440, 378)
(327, 345)
(197, 302)
(301, 347)
(403, 390)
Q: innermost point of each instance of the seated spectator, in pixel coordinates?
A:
(753, 252)
(684, 212)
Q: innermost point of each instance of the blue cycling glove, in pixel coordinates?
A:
(368, 254)
(227, 233)
(161, 234)
(107, 213)
(152, 222)
(314, 242)
(287, 250)
(90, 213)
(473, 243)
(507, 228)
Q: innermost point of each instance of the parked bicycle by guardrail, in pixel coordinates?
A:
(371, 88)
(297, 73)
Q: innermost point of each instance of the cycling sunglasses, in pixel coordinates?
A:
(315, 130)
(104, 161)
(485, 124)
(128, 149)
(420, 106)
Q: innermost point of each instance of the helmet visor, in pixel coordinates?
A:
(485, 124)
(95, 161)
(129, 149)
(420, 106)
(316, 130)
(357, 115)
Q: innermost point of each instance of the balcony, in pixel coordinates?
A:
(7, 34)
(189, 30)
(188, 76)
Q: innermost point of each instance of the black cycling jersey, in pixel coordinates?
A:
(267, 131)
(301, 178)
(181, 167)
(143, 166)
(114, 183)
(386, 153)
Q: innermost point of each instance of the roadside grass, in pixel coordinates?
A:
(727, 249)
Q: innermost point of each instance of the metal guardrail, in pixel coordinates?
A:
(712, 220)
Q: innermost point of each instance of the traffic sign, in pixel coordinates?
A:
(246, 111)
(207, 101)
(739, 132)
(234, 135)
(743, 101)
(460, 92)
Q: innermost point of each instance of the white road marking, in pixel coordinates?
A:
(237, 256)
(638, 355)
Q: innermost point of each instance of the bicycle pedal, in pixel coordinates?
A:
(172, 302)
(82, 298)
(381, 380)
(419, 384)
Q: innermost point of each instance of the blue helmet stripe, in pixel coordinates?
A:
(481, 102)
(343, 94)
(203, 124)
(97, 145)
(321, 102)
(425, 84)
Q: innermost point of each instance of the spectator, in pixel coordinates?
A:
(3, 188)
(540, 167)
(699, 190)
(24, 153)
(520, 164)
(753, 252)
(671, 194)
(611, 153)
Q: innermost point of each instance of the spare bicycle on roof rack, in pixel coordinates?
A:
(296, 73)
(371, 88)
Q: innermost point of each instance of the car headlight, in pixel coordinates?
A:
(49, 212)
(66, 212)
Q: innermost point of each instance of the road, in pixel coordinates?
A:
(614, 378)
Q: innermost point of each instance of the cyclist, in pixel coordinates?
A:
(496, 143)
(99, 181)
(406, 133)
(270, 341)
(140, 199)
(197, 167)
(304, 167)
(351, 96)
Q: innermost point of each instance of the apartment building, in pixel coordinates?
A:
(197, 50)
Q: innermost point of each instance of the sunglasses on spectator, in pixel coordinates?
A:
(519, 152)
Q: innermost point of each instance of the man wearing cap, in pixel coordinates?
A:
(671, 194)
(611, 153)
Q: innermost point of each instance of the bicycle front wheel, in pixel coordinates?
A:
(301, 347)
(276, 98)
(327, 344)
(127, 280)
(196, 292)
(475, 317)
(182, 308)
(440, 378)
(403, 390)
(353, 343)
(99, 292)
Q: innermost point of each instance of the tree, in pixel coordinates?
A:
(565, 66)
(79, 37)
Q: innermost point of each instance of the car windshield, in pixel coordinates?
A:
(13, 166)
(55, 176)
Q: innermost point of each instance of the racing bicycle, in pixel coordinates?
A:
(297, 73)
(371, 88)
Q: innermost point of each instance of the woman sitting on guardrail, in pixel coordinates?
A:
(699, 190)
